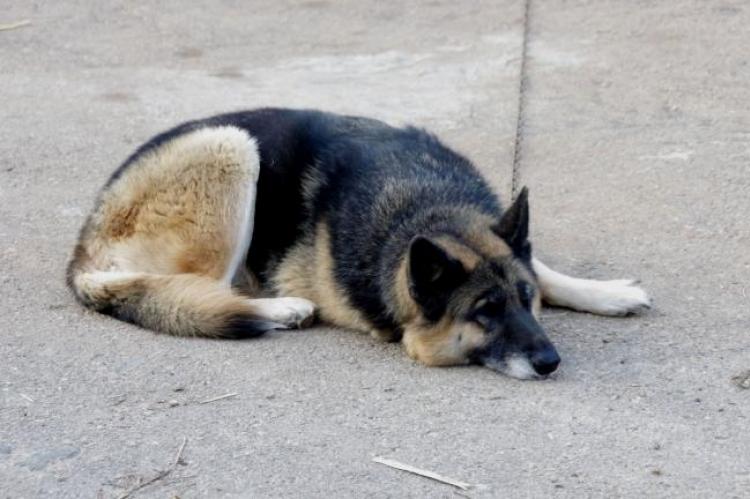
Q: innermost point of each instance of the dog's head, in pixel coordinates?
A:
(478, 303)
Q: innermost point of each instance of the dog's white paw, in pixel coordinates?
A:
(290, 311)
(617, 297)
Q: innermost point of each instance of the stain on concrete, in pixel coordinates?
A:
(678, 155)
(43, 458)
(230, 73)
(315, 4)
(119, 97)
(381, 62)
(189, 53)
(729, 10)
(555, 57)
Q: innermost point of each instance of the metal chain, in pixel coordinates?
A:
(522, 82)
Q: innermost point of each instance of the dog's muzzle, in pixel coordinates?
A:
(522, 350)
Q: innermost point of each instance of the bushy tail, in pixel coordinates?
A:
(179, 304)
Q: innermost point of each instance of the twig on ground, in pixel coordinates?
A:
(16, 25)
(160, 475)
(427, 474)
(220, 397)
(178, 456)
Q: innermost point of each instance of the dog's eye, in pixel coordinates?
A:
(489, 311)
(525, 294)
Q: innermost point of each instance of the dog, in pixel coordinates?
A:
(241, 223)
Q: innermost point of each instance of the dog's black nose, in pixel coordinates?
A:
(545, 362)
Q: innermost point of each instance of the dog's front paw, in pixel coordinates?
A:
(290, 311)
(618, 297)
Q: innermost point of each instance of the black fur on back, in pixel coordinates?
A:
(377, 187)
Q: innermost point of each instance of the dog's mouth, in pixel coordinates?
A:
(520, 367)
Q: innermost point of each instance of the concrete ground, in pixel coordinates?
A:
(636, 147)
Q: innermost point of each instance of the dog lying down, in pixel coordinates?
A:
(241, 223)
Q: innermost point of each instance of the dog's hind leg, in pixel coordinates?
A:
(169, 235)
(616, 297)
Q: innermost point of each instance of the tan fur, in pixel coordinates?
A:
(247, 283)
(467, 256)
(536, 306)
(488, 243)
(445, 343)
(165, 235)
(176, 210)
(404, 306)
(307, 271)
(480, 236)
(450, 341)
(180, 304)
(166, 238)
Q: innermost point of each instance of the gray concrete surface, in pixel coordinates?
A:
(636, 146)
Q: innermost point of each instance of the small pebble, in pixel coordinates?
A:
(742, 380)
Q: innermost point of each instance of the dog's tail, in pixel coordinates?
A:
(178, 304)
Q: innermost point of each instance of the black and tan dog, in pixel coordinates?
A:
(240, 223)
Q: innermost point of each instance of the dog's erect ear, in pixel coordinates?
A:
(433, 274)
(513, 227)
